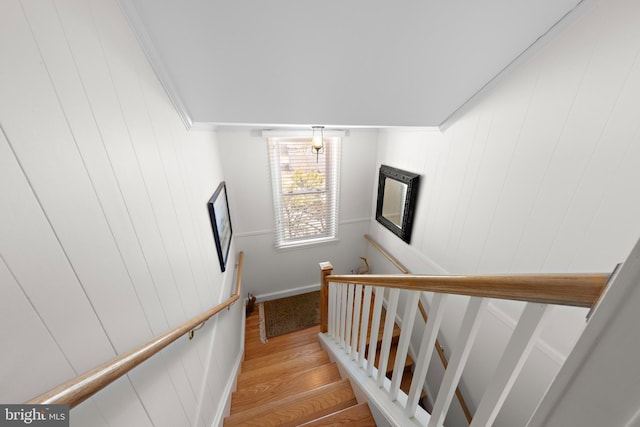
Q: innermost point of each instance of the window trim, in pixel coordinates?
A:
(280, 242)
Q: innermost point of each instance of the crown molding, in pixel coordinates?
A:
(565, 21)
(135, 22)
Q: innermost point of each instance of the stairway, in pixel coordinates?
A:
(290, 381)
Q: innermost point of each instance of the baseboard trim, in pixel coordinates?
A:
(287, 293)
(225, 410)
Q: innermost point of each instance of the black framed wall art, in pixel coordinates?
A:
(221, 223)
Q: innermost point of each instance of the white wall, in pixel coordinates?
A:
(105, 239)
(539, 175)
(268, 270)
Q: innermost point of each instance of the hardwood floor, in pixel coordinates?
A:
(290, 381)
(253, 348)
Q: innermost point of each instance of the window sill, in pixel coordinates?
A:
(307, 244)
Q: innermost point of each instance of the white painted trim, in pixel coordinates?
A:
(311, 243)
(287, 293)
(257, 128)
(272, 231)
(354, 221)
(417, 129)
(223, 410)
(302, 133)
(146, 43)
(253, 233)
(429, 261)
(414, 251)
(204, 127)
(579, 10)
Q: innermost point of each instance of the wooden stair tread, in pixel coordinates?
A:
(356, 416)
(254, 348)
(396, 329)
(281, 356)
(405, 384)
(283, 386)
(408, 363)
(297, 409)
(286, 367)
(290, 381)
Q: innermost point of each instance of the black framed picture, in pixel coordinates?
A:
(221, 223)
(397, 194)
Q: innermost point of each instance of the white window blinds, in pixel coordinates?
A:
(305, 190)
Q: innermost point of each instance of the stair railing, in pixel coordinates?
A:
(348, 301)
(80, 388)
(425, 317)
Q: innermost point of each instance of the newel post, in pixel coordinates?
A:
(325, 270)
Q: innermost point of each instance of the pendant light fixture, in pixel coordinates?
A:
(317, 141)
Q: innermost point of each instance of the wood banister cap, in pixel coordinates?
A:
(324, 266)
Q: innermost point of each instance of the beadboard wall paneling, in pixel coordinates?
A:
(537, 176)
(527, 179)
(106, 239)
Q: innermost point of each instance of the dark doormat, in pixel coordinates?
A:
(290, 314)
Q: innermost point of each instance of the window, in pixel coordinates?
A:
(305, 190)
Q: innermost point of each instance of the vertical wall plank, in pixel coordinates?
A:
(29, 353)
(77, 20)
(108, 199)
(42, 142)
(27, 240)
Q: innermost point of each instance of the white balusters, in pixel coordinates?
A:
(375, 327)
(389, 324)
(343, 314)
(511, 363)
(332, 309)
(347, 338)
(350, 307)
(356, 320)
(403, 344)
(466, 337)
(364, 324)
(429, 336)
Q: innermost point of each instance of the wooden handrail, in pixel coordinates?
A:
(443, 357)
(387, 255)
(579, 290)
(78, 389)
(595, 284)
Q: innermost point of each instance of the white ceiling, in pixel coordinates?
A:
(336, 62)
